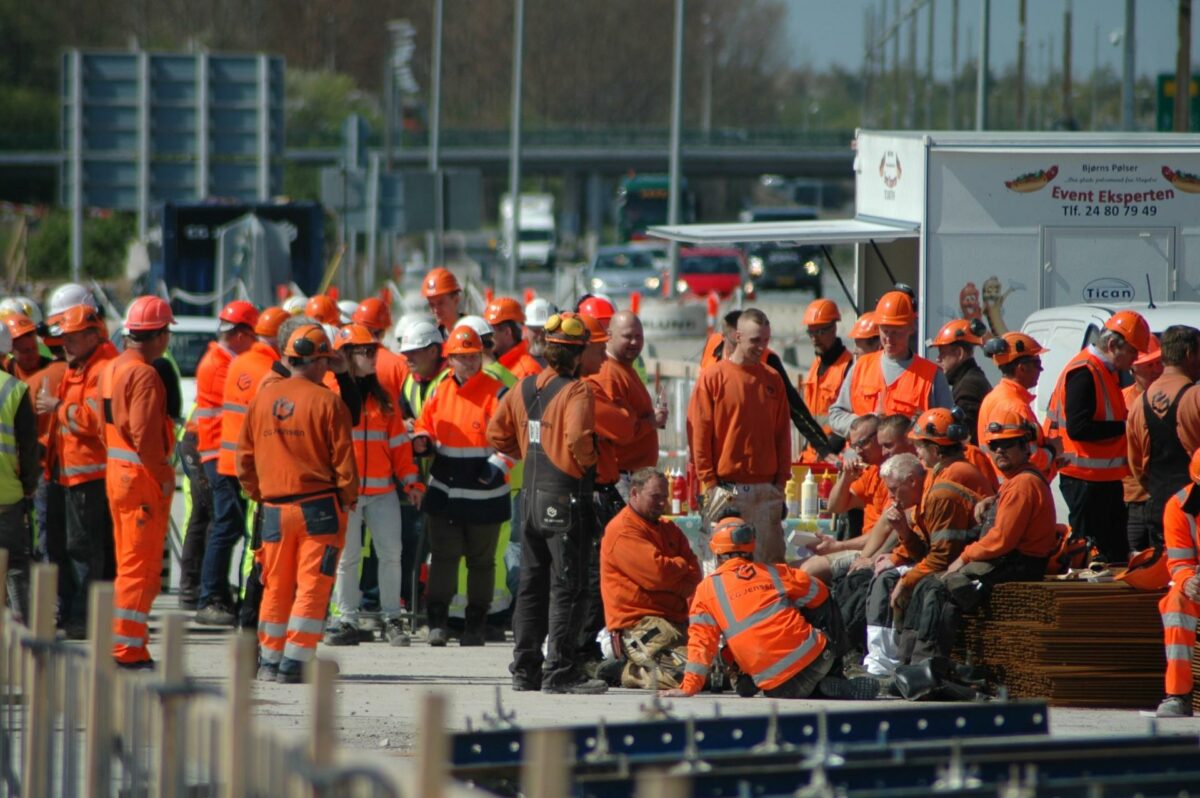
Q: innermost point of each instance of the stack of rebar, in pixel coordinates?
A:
(1076, 644)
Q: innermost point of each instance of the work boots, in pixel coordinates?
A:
(473, 631)
(438, 613)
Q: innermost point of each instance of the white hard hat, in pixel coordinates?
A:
(419, 335)
(347, 307)
(476, 323)
(295, 304)
(5, 339)
(538, 311)
(69, 295)
(23, 305)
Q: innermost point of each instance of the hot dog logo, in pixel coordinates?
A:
(1182, 180)
(1032, 181)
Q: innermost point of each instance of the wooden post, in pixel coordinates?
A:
(173, 676)
(661, 784)
(97, 739)
(323, 675)
(39, 712)
(242, 649)
(433, 747)
(545, 770)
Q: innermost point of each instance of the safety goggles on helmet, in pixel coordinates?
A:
(563, 328)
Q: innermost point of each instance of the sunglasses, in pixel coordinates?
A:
(1005, 443)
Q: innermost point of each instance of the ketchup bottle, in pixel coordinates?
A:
(693, 488)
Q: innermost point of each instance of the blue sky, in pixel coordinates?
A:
(823, 32)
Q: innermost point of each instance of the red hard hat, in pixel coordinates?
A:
(821, 312)
(598, 308)
(19, 324)
(308, 341)
(145, 313)
(938, 425)
(1012, 346)
(865, 327)
(596, 332)
(1132, 327)
(270, 320)
(957, 331)
(895, 310)
(439, 281)
(324, 309)
(1147, 570)
(373, 313)
(730, 535)
(239, 311)
(504, 309)
(463, 341)
(354, 334)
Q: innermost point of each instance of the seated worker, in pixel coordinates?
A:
(648, 574)
(1017, 539)
(779, 627)
(1181, 606)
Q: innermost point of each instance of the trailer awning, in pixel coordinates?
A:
(827, 231)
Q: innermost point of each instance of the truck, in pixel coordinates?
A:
(537, 240)
(642, 202)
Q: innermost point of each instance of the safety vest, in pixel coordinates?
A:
(908, 395)
(1093, 461)
(11, 392)
(380, 441)
(241, 384)
(416, 392)
(518, 361)
(81, 420)
(210, 394)
(820, 391)
(1006, 396)
(118, 447)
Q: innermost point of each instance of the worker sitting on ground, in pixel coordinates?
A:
(648, 574)
(779, 627)
(1181, 606)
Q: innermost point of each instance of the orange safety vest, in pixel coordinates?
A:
(118, 447)
(80, 418)
(1093, 461)
(241, 384)
(382, 449)
(519, 361)
(210, 394)
(908, 395)
(1008, 395)
(821, 391)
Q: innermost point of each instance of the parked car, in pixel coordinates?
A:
(704, 270)
(618, 271)
(777, 267)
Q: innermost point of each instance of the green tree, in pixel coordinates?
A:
(105, 242)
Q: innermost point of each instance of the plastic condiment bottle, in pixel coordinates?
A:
(678, 493)
(809, 501)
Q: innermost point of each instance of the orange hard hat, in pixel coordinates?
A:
(463, 340)
(939, 425)
(821, 312)
(239, 311)
(79, 318)
(19, 324)
(504, 309)
(354, 334)
(270, 320)
(1008, 423)
(308, 341)
(147, 313)
(324, 309)
(1012, 346)
(730, 535)
(373, 313)
(865, 327)
(1147, 570)
(1132, 327)
(596, 332)
(567, 329)
(1153, 353)
(1194, 467)
(598, 308)
(958, 331)
(439, 281)
(895, 309)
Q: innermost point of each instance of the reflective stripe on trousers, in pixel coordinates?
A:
(1179, 615)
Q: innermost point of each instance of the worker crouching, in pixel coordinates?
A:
(295, 457)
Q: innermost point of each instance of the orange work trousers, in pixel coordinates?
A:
(1179, 615)
(301, 543)
(140, 514)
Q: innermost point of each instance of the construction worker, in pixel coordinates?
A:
(955, 344)
(390, 369)
(19, 471)
(444, 295)
(1016, 540)
(548, 421)
(536, 313)
(467, 498)
(1146, 369)
(639, 448)
(78, 438)
(776, 623)
(893, 380)
(140, 479)
(383, 453)
(865, 335)
(1180, 607)
(1164, 425)
(235, 335)
(507, 317)
(1087, 413)
(295, 457)
(324, 310)
(830, 364)
(1019, 358)
(648, 574)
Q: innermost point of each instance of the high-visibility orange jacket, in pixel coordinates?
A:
(1179, 534)
(647, 568)
(80, 420)
(821, 387)
(52, 375)
(756, 607)
(873, 491)
(1024, 520)
(1133, 490)
(295, 443)
(391, 370)
(638, 446)
(945, 518)
(1009, 396)
(908, 395)
(137, 427)
(461, 484)
(519, 361)
(210, 395)
(1093, 461)
(382, 449)
(978, 458)
(1179, 613)
(241, 384)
